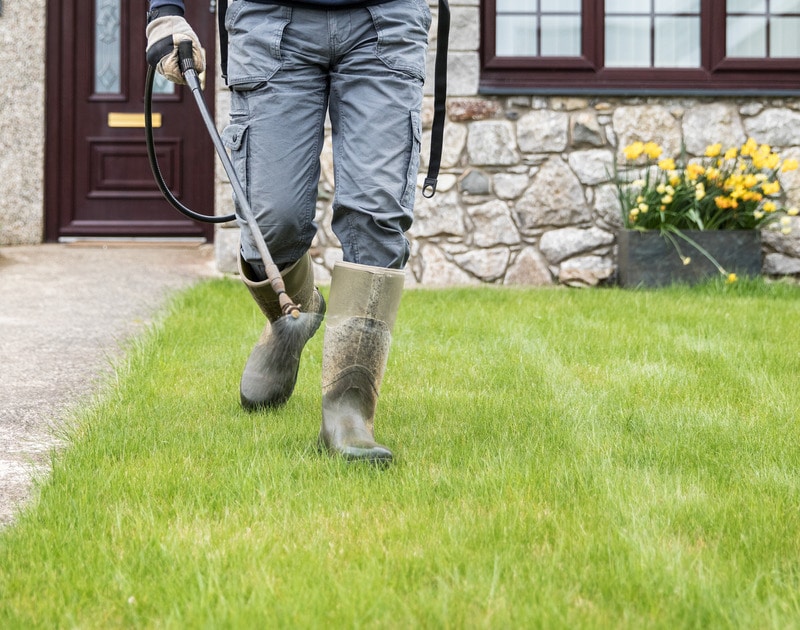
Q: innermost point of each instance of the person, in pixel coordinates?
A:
(289, 63)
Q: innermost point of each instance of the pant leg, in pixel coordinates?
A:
(375, 102)
(278, 103)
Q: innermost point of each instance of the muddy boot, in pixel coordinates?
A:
(271, 370)
(363, 306)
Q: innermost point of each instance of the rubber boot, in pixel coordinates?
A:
(270, 373)
(363, 306)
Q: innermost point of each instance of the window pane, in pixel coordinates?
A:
(624, 6)
(677, 42)
(524, 6)
(107, 47)
(746, 37)
(516, 36)
(785, 6)
(677, 6)
(561, 36)
(784, 40)
(627, 42)
(561, 6)
(747, 6)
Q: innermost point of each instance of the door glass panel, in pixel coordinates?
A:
(107, 47)
(162, 85)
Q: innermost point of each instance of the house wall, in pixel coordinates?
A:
(525, 195)
(22, 121)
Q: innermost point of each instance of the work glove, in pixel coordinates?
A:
(163, 36)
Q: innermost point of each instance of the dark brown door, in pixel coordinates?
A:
(98, 179)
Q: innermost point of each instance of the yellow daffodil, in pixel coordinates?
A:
(633, 151)
(699, 191)
(693, 171)
(770, 188)
(667, 164)
(652, 150)
(789, 165)
(733, 188)
(749, 147)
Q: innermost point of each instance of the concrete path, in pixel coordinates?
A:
(64, 312)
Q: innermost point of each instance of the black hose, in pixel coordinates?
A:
(151, 154)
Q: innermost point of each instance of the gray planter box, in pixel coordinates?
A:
(649, 259)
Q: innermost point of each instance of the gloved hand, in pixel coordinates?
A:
(163, 36)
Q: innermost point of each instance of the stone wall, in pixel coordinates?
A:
(525, 195)
(22, 124)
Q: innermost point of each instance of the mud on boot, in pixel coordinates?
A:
(270, 373)
(363, 307)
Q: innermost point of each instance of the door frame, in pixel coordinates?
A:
(60, 105)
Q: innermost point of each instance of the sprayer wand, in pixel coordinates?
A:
(186, 60)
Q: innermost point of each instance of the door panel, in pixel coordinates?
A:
(98, 178)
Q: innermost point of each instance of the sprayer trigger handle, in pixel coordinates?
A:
(186, 55)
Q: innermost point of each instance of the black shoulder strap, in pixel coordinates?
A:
(439, 99)
(222, 9)
(439, 89)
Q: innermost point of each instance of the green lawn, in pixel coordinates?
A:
(564, 459)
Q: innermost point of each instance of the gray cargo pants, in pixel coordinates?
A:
(287, 67)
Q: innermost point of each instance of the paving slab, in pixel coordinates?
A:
(66, 311)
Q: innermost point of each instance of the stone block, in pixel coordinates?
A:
(542, 131)
(492, 143)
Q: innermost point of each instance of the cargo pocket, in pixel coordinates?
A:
(402, 35)
(415, 120)
(255, 36)
(234, 137)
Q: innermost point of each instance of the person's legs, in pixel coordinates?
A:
(278, 104)
(279, 97)
(376, 96)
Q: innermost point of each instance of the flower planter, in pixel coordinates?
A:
(649, 259)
